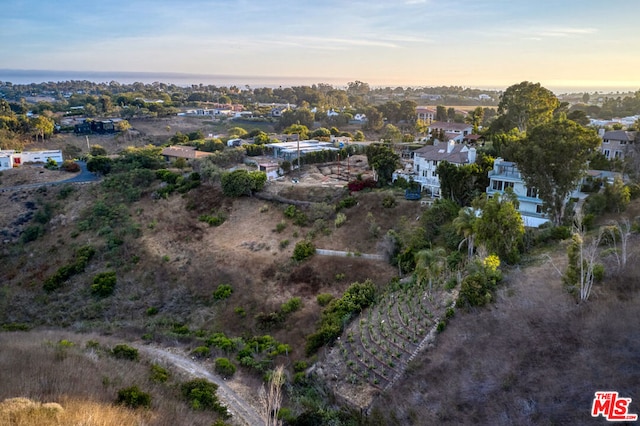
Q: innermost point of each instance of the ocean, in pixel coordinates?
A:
(179, 79)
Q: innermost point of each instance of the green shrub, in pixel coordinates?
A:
(133, 397)
(303, 250)
(281, 227)
(346, 202)
(224, 367)
(340, 219)
(284, 244)
(201, 395)
(152, 311)
(389, 201)
(441, 326)
(201, 352)
(290, 211)
(212, 220)
(159, 374)
(324, 299)
(65, 191)
(299, 366)
(292, 305)
(449, 313)
(123, 351)
(223, 291)
(32, 233)
(104, 284)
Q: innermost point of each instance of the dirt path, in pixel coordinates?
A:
(242, 412)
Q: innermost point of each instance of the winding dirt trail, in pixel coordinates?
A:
(243, 413)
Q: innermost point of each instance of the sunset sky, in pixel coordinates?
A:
(476, 43)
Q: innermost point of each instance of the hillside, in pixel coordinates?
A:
(534, 356)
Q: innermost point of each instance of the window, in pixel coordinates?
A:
(539, 209)
(435, 163)
(623, 142)
(508, 185)
(618, 154)
(532, 193)
(605, 141)
(418, 168)
(433, 174)
(496, 185)
(606, 153)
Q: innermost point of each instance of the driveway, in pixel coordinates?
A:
(82, 177)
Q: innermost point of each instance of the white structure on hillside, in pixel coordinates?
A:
(505, 174)
(427, 159)
(11, 158)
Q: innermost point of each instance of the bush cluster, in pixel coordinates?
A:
(303, 250)
(359, 185)
(82, 258)
(176, 182)
(299, 217)
(224, 367)
(123, 351)
(133, 397)
(212, 220)
(201, 395)
(477, 287)
(338, 313)
(223, 291)
(292, 305)
(70, 166)
(346, 203)
(104, 284)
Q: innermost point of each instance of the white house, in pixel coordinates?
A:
(426, 114)
(11, 158)
(360, 117)
(505, 174)
(462, 129)
(427, 159)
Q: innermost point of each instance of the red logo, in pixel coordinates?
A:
(612, 407)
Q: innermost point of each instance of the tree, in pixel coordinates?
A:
(553, 158)
(383, 160)
(441, 113)
(300, 129)
(321, 132)
(582, 265)
(43, 126)
(465, 224)
(430, 263)
(500, 226)
(392, 133)
(123, 127)
(97, 150)
(526, 105)
(375, 119)
(241, 182)
(237, 132)
(359, 136)
(475, 118)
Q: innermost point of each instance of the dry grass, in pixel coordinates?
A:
(534, 357)
(25, 412)
(84, 381)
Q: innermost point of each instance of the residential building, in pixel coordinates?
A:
(426, 114)
(616, 143)
(427, 159)
(505, 174)
(452, 131)
(289, 150)
(11, 158)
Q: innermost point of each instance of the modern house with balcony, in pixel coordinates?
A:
(505, 174)
(427, 159)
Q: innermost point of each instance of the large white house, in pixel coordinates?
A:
(505, 174)
(427, 159)
(11, 158)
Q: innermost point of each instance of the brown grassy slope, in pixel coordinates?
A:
(179, 261)
(85, 381)
(533, 357)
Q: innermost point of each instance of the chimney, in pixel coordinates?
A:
(450, 146)
(472, 155)
(601, 132)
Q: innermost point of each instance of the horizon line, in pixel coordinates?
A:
(91, 75)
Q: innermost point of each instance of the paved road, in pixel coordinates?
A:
(82, 177)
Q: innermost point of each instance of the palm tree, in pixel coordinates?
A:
(464, 225)
(430, 263)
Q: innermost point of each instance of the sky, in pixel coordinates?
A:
(472, 43)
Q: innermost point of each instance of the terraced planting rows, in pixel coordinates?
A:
(378, 346)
